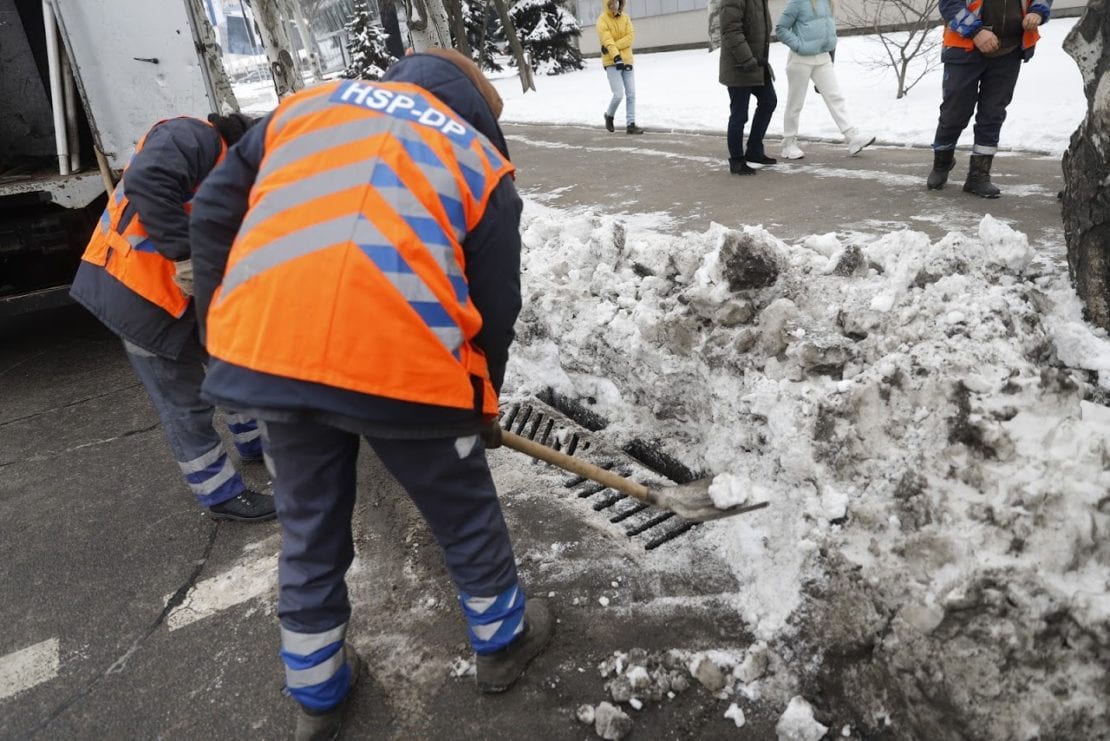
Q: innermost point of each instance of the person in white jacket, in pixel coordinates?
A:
(808, 28)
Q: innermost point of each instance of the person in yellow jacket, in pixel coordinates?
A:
(614, 30)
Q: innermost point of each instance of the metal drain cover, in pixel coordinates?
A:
(546, 425)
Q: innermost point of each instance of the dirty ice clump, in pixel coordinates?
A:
(798, 724)
(927, 419)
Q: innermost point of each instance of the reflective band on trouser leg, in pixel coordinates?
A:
(315, 672)
(212, 478)
(245, 435)
(493, 622)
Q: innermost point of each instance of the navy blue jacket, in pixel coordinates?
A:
(492, 252)
(160, 179)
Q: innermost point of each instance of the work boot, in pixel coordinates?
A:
(740, 167)
(497, 671)
(979, 177)
(943, 162)
(633, 129)
(325, 725)
(608, 122)
(250, 506)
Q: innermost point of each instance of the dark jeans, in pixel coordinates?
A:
(738, 99)
(447, 479)
(978, 84)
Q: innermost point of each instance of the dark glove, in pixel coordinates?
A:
(491, 434)
(618, 62)
(750, 66)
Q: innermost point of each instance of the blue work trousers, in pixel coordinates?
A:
(174, 389)
(738, 100)
(980, 85)
(448, 479)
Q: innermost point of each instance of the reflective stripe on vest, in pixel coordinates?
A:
(348, 269)
(121, 245)
(965, 21)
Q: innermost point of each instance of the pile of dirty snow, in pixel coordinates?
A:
(922, 416)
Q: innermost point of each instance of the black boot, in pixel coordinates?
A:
(314, 726)
(943, 162)
(496, 672)
(250, 506)
(608, 122)
(633, 129)
(979, 177)
(740, 167)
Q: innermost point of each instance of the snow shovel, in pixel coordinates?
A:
(691, 500)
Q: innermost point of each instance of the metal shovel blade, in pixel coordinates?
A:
(693, 502)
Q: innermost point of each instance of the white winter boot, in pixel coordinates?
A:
(791, 150)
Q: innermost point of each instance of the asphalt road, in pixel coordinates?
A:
(685, 177)
(129, 614)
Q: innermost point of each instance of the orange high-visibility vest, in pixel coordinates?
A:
(952, 38)
(348, 269)
(126, 251)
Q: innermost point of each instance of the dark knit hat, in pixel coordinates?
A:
(468, 68)
(232, 126)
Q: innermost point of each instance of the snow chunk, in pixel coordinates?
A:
(798, 724)
(730, 490)
(1004, 246)
(736, 714)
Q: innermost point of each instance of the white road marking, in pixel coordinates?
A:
(244, 581)
(23, 669)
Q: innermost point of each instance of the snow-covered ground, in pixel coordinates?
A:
(679, 91)
(927, 418)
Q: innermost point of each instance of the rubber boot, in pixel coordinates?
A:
(943, 162)
(608, 122)
(323, 726)
(496, 672)
(979, 177)
(633, 129)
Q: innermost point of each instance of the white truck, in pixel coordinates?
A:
(81, 81)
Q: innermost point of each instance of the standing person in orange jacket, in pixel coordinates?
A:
(358, 276)
(136, 277)
(985, 44)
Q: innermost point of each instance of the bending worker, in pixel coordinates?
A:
(136, 277)
(358, 275)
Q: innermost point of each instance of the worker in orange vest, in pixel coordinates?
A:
(985, 44)
(135, 276)
(358, 276)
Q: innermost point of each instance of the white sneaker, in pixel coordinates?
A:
(857, 143)
(791, 151)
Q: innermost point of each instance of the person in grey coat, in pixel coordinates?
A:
(746, 72)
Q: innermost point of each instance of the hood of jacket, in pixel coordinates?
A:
(445, 80)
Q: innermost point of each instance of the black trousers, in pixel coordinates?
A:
(980, 85)
(738, 100)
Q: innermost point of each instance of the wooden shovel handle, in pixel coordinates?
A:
(574, 465)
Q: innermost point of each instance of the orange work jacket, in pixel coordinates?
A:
(952, 37)
(124, 249)
(348, 268)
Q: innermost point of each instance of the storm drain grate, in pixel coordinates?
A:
(536, 420)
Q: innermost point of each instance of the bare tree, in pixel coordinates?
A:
(905, 29)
